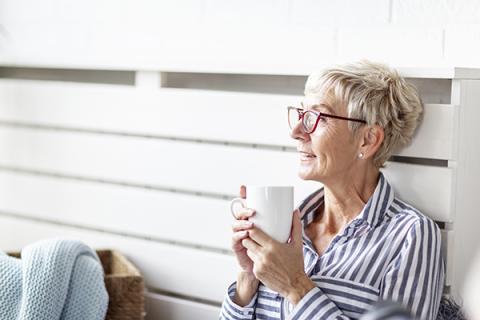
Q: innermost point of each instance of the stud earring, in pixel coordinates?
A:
(360, 155)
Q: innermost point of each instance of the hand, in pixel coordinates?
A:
(277, 265)
(247, 284)
(240, 229)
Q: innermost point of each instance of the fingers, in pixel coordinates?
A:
(237, 240)
(253, 249)
(243, 192)
(253, 255)
(240, 225)
(244, 213)
(260, 237)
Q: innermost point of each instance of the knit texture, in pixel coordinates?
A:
(55, 279)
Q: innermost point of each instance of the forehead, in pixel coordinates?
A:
(321, 103)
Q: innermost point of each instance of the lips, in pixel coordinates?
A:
(306, 155)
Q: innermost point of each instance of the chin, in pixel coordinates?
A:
(306, 175)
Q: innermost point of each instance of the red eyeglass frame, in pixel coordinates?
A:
(301, 112)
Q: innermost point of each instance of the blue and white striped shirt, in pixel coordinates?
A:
(390, 251)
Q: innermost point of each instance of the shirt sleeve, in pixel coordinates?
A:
(414, 278)
(316, 305)
(232, 311)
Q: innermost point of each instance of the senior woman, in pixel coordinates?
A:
(353, 242)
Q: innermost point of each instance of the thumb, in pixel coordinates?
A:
(297, 227)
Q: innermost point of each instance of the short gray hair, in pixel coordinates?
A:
(375, 93)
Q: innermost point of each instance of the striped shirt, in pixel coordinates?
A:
(390, 251)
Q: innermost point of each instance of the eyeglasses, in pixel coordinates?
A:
(311, 118)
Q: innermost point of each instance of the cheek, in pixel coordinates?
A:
(332, 147)
(324, 144)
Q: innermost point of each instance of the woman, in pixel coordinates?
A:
(353, 243)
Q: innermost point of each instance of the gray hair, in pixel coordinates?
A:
(377, 94)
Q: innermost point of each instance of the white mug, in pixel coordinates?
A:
(273, 207)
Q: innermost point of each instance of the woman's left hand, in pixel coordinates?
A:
(277, 265)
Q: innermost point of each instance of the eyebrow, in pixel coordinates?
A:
(322, 105)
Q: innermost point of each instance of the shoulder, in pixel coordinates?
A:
(414, 221)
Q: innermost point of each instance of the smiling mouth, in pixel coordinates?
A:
(307, 156)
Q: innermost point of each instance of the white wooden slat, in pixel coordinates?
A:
(163, 266)
(427, 188)
(136, 211)
(159, 306)
(184, 271)
(467, 183)
(141, 212)
(436, 135)
(201, 167)
(228, 116)
(447, 249)
(198, 166)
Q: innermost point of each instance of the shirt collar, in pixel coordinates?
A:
(372, 213)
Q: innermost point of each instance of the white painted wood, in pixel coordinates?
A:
(440, 72)
(187, 166)
(195, 114)
(245, 66)
(466, 243)
(427, 188)
(147, 80)
(137, 211)
(435, 137)
(197, 167)
(446, 194)
(196, 273)
(433, 91)
(225, 116)
(163, 307)
(447, 249)
(141, 212)
(164, 266)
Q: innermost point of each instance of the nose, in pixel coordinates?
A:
(298, 133)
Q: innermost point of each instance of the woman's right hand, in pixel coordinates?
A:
(247, 283)
(240, 228)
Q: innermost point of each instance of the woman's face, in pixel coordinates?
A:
(330, 151)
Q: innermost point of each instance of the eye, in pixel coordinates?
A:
(310, 119)
(323, 119)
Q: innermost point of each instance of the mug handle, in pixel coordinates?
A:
(234, 202)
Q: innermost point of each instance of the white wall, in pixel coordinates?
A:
(113, 165)
(264, 35)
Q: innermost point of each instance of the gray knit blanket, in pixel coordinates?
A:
(55, 279)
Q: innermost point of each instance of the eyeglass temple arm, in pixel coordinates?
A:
(339, 117)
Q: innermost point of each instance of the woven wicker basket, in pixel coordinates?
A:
(124, 284)
(125, 287)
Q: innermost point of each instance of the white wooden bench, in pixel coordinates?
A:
(148, 170)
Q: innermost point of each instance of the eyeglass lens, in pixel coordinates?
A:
(309, 119)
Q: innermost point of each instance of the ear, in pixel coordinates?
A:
(372, 138)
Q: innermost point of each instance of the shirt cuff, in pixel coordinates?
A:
(315, 302)
(232, 310)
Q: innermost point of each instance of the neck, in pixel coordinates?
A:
(345, 198)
